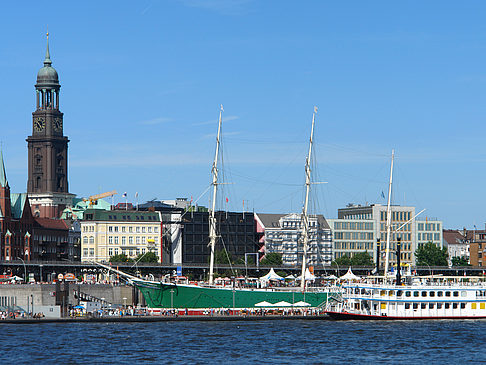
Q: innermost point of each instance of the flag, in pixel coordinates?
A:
(191, 198)
(124, 194)
(382, 194)
(136, 194)
(226, 200)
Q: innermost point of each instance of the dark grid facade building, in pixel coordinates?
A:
(236, 234)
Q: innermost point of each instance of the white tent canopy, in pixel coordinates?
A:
(263, 304)
(308, 275)
(349, 276)
(290, 277)
(331, 277)
(272, 275)
(301, 304)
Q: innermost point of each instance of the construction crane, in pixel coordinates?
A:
(94, 198)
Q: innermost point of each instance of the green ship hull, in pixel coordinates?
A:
(163, 295)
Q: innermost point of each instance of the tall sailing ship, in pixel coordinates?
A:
(204, 296)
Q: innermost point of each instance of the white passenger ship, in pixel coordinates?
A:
(423, 298)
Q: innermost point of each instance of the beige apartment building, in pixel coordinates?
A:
(106, 233)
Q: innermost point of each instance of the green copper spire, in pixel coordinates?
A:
(47, 61)
(3, 175)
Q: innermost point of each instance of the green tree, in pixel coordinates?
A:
(223, 257)
(147, 257)
(272, 259)
(120, 258)
(430, 254)
(362, 259)
(460, 261)
(342, 261)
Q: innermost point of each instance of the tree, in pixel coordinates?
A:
(358, 259)
(147, 257)
(460, 261)
(120, 258)
(362, 259)
(342, 261)
(223, 257)
(272, 259)
(430, 254)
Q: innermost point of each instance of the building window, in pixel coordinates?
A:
(116, 240)
(143, 230)
(138, 229)
(149, 229)
(85, 239)
(91, 251)
(110, 251)
(116, 228)
(85, 252)
(110, 239)
(124, 240)
(130, 229)
(137, 240)
(110, 229)
(130, 240)
(116, 250)
(123, 229)
(156, 229)
(91, 239)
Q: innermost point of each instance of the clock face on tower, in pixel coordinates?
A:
(39, 124)
(57, 124)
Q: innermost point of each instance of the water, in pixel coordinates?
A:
(266, 342)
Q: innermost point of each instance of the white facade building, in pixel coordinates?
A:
(283, 234)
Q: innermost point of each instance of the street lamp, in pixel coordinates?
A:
(25, 269)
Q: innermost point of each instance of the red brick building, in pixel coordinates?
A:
(16, 222)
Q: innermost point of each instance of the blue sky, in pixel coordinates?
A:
(142, 83)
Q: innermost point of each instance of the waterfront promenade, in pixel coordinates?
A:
(147, 319)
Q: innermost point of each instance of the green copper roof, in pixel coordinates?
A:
(18, 203)
(3, 175)
(121, 215)
(47, 61)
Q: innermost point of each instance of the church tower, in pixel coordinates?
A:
(47, 185)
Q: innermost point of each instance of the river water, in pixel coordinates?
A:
(265, 342)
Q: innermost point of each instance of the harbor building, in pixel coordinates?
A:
(283, 234)
(429, 230)
(358, 228)
(106, 233)
(350, 236)
(171, 226)
(477, 247)
(457, 244)
(399, 227)
(235, 230)
(47, 184)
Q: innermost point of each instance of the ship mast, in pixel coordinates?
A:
(388, 217)
(212, 219)
(305, 217)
